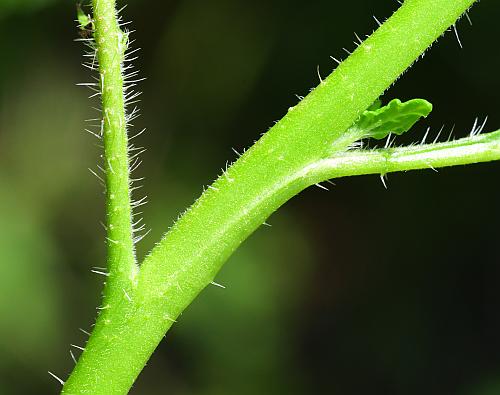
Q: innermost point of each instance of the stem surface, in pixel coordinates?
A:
(111, 44)
(474, 149)
(275, 169)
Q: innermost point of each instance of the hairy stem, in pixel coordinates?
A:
(111, 44)
(474, 149)
(275, 169)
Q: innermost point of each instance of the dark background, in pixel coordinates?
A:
(353, 291)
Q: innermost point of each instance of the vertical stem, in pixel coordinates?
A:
(111, 43)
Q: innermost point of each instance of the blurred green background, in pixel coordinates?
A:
(357, 290)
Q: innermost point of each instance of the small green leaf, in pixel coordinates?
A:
(396, 117)
(83, 19)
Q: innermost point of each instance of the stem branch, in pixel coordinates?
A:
(287, 159)
(474, 149)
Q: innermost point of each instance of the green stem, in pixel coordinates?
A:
(121, 265)
(275, 169)
(474, 149)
